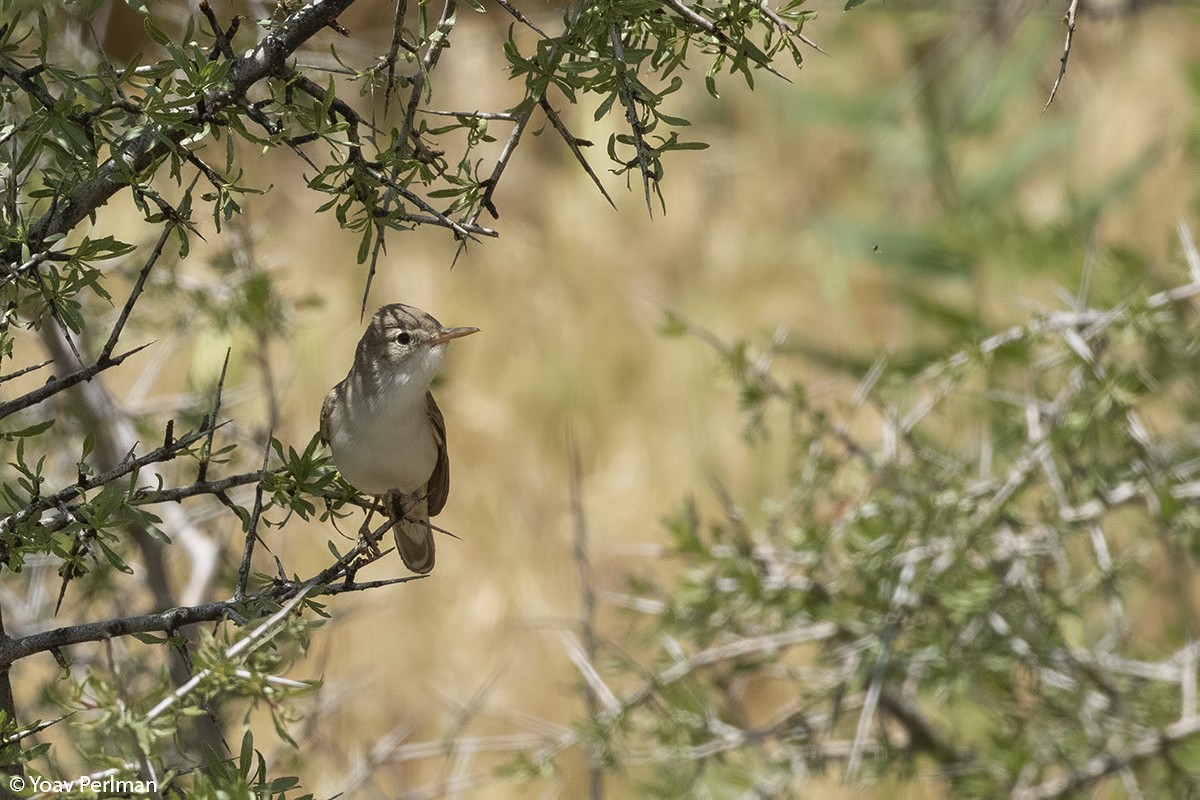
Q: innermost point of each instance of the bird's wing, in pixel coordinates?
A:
(439, 481)
(326, 413)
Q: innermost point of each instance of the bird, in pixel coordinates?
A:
(385, 432)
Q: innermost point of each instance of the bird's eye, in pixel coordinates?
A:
(403, 337)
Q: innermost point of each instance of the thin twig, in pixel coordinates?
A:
(1062, 62)
(37, 727)
(502, 116)
(457, 759)
(252, 528)
(1190, 254)
(25, 370)
(214, 415)
(521, 18)
(222, 45)
(135, 293)
(394, 51)
(595, 690)
(506, 153)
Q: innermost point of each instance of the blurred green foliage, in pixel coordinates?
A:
(907, 604)
(972, 573)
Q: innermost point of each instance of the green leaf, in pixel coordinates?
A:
(32, 430)
(246, 756)
(111, 556)
(153, 31)
(149, 638)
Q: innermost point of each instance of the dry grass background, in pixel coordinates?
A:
(571, 298)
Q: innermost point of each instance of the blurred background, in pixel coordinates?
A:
(905, 193)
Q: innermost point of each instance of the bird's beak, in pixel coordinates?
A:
(446, 334)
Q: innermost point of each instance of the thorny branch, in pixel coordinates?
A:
(574, 144)
(56, 385)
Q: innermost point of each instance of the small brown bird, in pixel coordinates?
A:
(386, 432)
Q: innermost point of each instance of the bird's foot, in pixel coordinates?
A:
(368, 543)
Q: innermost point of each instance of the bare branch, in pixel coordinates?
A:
(503, 116)
(150, 496)
(8, 704)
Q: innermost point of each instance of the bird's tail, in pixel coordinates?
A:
(414, 537)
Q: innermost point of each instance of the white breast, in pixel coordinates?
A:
(387, 442)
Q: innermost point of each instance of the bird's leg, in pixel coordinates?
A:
(368, 544)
